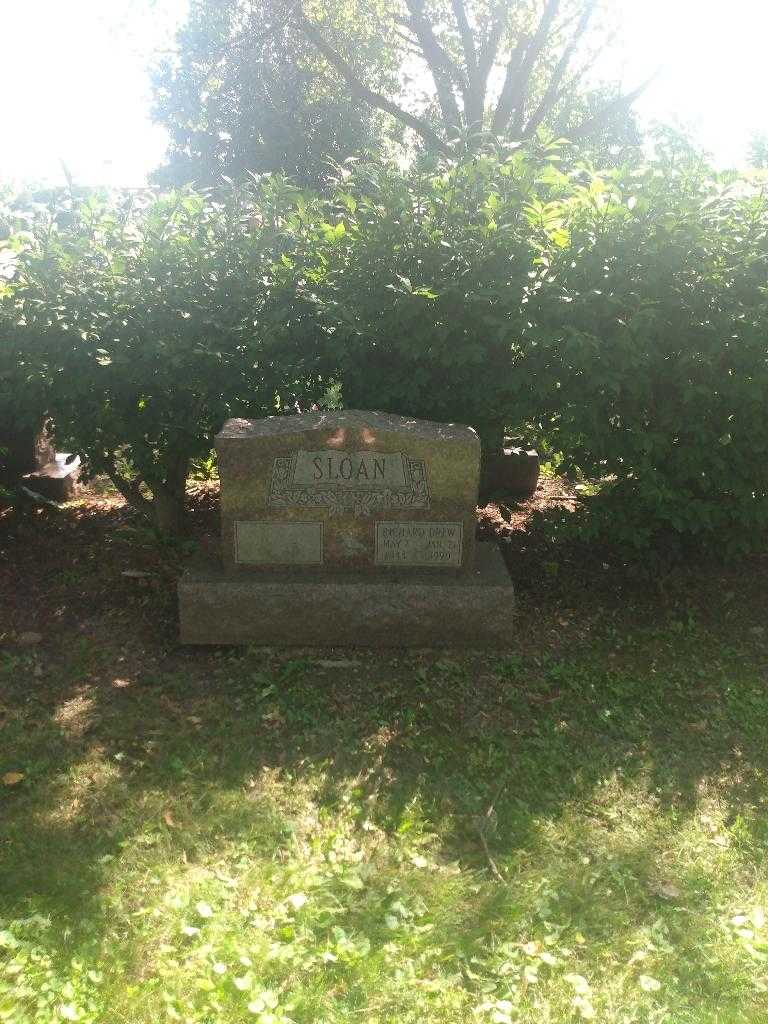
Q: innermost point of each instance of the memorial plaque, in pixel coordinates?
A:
(278, 543)
(425, 544)
(388, 492)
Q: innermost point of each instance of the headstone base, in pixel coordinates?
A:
(351, 610)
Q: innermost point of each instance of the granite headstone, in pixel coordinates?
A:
(348, 491)
(348, 528)
(28, 457)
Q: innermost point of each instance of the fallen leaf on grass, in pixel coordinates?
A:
(29, 639)
(667, 890)
(578, 982)
(12, 778)
(168, 819)
(648, 984)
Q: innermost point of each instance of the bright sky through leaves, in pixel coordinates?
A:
(76, 86)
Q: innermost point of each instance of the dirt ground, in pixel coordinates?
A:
(93, 572)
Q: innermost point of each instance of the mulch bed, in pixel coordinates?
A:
(60, 570)
(93, 573)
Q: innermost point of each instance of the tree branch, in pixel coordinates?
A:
(443, 70)
(552, 92)
(422, 29)
(465, 32)
(362, 92)
(503, 106)
(413, 45)
(130, 489)
(474, 97)
(519, 70)
(520, 91)
(571, 90)
(488, 51)
(620, 103)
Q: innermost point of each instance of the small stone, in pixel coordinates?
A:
(515, 472)
(667, 890)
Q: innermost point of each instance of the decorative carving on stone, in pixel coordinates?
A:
(357, 483)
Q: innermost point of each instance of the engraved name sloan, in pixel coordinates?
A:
(360, 483)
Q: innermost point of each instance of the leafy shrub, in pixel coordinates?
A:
(653, 371)
(140, 323)
(423, 284)
(621, 316)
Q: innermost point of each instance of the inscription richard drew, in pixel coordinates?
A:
(437, 544)
(360, 483)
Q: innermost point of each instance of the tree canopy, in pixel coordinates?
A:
(504, 67)
(290, 85)
(243, 91)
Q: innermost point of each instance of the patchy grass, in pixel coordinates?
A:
(575, 829)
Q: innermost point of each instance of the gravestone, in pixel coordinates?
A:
(511, 473)
(27, 456)
(23, 450)
(346, 528)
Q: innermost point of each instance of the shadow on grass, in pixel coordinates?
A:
(126, 741)
(425, 742)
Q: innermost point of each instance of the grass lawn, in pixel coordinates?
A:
(574, 829)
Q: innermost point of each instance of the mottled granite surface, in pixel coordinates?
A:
(348, 491)
(352, 609)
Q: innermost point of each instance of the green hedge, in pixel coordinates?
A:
(620, 317)
(144, 322)
(656, 367)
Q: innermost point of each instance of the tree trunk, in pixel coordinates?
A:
(169, 497)
(130, 489)
(491, 435)
(168, 513)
